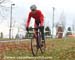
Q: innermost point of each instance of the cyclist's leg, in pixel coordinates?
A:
(42, 32)
(43, 38)
(35, 30)
(35, 33)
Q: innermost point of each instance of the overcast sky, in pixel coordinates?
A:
(61, 6)
(65, 7)
(22, 7)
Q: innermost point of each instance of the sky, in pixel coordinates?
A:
(63, 8)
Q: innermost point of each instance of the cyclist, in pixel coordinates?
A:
(39, 20)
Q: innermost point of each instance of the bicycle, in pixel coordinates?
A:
(36, 43)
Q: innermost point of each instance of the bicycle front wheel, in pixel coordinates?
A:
(34, 47)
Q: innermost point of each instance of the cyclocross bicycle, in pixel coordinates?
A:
(36, 43)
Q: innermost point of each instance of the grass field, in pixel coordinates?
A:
(56, 49)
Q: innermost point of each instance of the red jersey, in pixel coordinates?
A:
(37, 15)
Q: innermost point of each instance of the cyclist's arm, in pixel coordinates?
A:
(41, 18)
(42, 21)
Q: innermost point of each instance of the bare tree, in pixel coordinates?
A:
(62, 19)
(60, 26)
(1, 1)
(23, 24)
(5, 1)
(4, 11)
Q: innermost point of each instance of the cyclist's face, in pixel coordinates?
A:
(33, 11)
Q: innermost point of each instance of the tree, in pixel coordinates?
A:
(59, 32)
(60, 26)
(1, 1)
(47, 31)
(69, 31)
(62, 20)
(4, 11)
(1, 35)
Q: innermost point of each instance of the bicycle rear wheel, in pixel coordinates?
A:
(34, 46)
(42, 46)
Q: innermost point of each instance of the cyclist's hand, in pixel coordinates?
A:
(26, 28)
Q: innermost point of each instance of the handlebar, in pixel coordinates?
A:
(35, 28)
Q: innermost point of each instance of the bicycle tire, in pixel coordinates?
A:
(42, 48)
(34, 47)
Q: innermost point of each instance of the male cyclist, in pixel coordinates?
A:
(39, 19)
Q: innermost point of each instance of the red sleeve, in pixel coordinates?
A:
(41, 18)
(42, 21)
(28, 20)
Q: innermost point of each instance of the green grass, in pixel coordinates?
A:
(58, 49)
